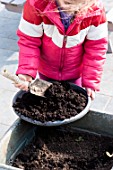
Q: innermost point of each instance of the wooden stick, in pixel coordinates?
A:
(10, 76)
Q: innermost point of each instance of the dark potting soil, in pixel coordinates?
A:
(61, 102)
(53, 149)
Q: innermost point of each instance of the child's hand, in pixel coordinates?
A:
(91, 93)
(23, 85)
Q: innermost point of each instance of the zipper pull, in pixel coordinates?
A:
(65, 38)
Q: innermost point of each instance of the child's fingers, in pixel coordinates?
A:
(25, 77)
(91, 93)
(22, 77)
(22, 86)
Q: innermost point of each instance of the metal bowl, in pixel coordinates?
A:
(58, 122)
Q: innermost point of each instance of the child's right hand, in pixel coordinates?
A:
(23, 85)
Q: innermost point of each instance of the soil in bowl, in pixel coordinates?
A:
(64, 149)
(61, 102)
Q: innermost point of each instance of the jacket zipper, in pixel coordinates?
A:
(62, 57)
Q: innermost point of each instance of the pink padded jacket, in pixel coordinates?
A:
(44, 46)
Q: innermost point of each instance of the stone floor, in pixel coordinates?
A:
(8, 60)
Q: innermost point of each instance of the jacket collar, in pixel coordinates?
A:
(49, 9)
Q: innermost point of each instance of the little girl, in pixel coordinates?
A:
(63, 40)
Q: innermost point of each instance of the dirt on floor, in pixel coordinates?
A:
(63, 149)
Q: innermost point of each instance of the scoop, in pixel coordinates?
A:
(37, 86)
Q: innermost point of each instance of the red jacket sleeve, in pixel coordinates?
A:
(29, 32)
(95, 48)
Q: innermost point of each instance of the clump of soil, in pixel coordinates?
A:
(53, 149)
(61, 102)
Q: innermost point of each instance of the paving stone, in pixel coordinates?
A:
(9, 32)
(4, 13)
(18, 2)
(106, 86)
(7, 84)
(9, 44)
(100, 102)
(109, 107)
(111, 38)
(7, 115)
(3, 130)
(108, 4)
(7, 58)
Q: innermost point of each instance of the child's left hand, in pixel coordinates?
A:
(91, 93)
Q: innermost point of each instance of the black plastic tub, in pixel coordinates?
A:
(21, 133)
